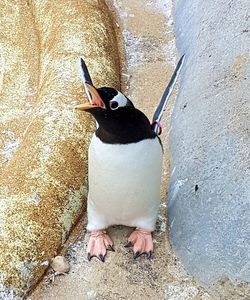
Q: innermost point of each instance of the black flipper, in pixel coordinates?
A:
(85, 72)
(156, 127)
(86, 78)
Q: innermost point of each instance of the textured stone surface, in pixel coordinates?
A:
(209, 200)
(43, 141)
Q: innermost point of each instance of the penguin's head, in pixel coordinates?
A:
(119, 121)
(105, 99)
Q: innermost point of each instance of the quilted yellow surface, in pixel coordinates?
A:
(43, 140)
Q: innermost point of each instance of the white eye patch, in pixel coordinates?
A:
(118, 101)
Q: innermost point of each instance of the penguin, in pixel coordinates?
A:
(124, 170)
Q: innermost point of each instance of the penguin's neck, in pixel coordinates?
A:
(125, 128)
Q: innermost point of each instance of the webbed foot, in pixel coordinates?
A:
(98, 245)
(142, 242)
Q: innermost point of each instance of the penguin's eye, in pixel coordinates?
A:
(113, 105)
(119, 101)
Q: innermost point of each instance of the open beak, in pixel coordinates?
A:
(96, 100)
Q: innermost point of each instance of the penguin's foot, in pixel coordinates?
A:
(99, 243)
(142, 242)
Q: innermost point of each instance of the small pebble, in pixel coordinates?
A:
(59, 264)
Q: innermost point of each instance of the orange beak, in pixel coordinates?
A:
(96, 99)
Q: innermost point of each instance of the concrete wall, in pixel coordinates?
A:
(209, 199)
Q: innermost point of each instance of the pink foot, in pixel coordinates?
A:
(98, 245)
(142, 242)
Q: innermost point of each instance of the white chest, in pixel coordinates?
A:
(124, 180)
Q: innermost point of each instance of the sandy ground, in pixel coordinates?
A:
(146, 27)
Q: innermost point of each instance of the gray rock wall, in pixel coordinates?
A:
(209, 199)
